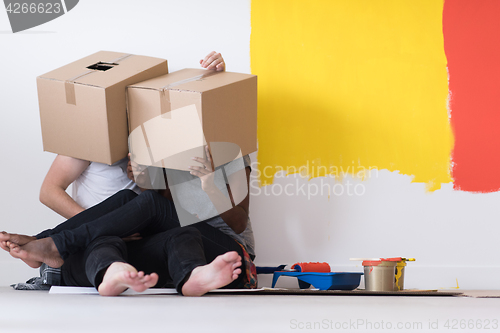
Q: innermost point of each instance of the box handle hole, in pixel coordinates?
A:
(102, 66)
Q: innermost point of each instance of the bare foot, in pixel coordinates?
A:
(16, 248)
(7, 241)
(14, 238)
(120, 276)
(4, 237)
(219, 273)
(36, 252)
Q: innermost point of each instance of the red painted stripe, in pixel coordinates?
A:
(472, 44)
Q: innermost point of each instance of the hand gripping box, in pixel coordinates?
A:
(83, 104)
(172, 117)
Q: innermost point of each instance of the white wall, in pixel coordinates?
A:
(452, 234)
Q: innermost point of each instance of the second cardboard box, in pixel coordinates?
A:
(171, 117)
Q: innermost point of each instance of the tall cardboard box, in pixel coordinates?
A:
(174, 115)
(83, 104)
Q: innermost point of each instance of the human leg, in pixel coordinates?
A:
(225, 257)
(178, 254)
(104, 265)
(178, 250)
(10, 242)
(215, 242)
(148, 213)
(84, 267)
(195, 259)
(110, 204)
(115, 201)
(219, 273)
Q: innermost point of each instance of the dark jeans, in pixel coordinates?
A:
(172, 254)
(91, 241)
(123, 214)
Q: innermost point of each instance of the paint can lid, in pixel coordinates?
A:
(382, 262)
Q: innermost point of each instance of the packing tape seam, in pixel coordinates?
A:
(123, 57)
(80, 75)
(69, 83)
(165, 104)
(194, 78)
(164, 109)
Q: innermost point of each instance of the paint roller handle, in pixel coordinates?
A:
(269, 270)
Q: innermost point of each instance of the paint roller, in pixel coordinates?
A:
(316, 267)
(313, 267)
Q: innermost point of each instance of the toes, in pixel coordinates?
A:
(3, 245)
(9, 243)
(231, 256)
(125, 276)
(153, 280)
(15, 251)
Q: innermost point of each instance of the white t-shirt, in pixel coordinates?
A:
(100, 181)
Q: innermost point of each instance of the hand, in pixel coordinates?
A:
(213, 61)
(204, 172)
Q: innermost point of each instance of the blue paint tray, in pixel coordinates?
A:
(323, 281)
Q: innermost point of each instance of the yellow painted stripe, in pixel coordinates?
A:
(352, 84)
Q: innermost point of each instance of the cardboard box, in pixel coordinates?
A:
(171, 117)
(83, 104)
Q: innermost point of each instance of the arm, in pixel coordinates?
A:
(64, 171)
(140, 175)
(235, 216)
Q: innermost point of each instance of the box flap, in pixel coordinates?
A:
(103, 68)
(190, 79)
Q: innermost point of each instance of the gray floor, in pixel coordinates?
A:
(35, 311)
